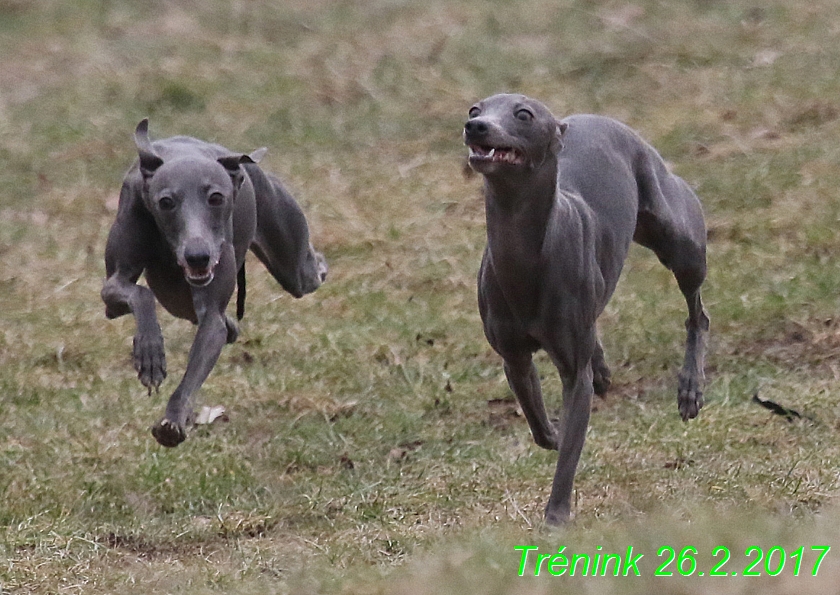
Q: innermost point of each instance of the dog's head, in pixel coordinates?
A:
(511, 133)
(191, 198)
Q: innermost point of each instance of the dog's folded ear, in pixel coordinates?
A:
(149, 160)
(232, 163)
(557, 142)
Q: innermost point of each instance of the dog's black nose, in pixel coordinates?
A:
(476, 126)
(197, 259)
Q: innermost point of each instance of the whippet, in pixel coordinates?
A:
(188, 213)
(563, 200)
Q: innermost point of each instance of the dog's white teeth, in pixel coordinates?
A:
(496, 155)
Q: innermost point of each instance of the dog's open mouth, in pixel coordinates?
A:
(198, 277)
(486, 154)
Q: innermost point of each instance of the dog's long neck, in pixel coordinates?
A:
(518, 211)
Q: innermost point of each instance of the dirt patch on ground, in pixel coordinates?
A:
(813, 343)
(503, 413)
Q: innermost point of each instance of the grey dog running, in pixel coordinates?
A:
(189, 211)
(563, 200)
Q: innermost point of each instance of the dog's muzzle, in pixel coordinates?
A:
(197, 266)
(485, 148)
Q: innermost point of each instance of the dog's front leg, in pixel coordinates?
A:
(211, 336)
(601, 375)
(577, 402)
(524, 381)
(123, 296)
(209, 340)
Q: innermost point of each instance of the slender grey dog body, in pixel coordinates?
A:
(188, 213)
(563, 201)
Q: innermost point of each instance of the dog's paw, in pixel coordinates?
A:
(601, 375)
(168, 433)
(689, 396)
(557, 519)
(232, 330)
(601, 380)
(549, 441)
(149, 360)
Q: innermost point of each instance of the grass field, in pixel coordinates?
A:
(373, 446)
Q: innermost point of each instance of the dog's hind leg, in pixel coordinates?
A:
(692, 377)
(281, 241)
(670, 222)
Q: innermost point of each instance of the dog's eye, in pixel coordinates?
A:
(166, 203)
(216, 200)
(474, 112)
(524, 114)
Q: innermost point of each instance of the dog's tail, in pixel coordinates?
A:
(240, 292)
